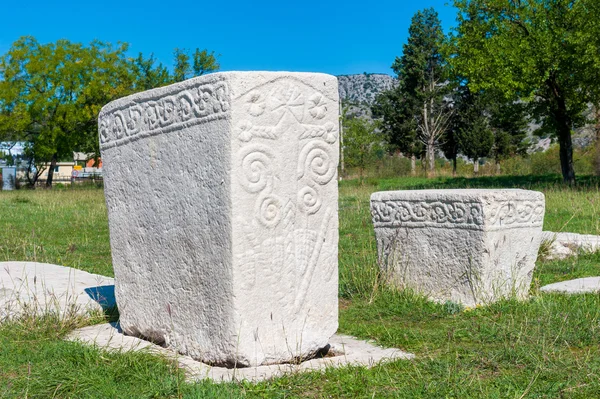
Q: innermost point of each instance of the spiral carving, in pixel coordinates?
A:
(316, 162)
(257, 168)
(309, 200)
(269, 213)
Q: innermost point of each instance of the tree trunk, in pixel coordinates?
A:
(51, 171)
(28, 174)
(413, 165)
(566, 147)
(563, 123)
(476, 166)
(597, 124)
(431, 157)
(33, 177)
(454, 166)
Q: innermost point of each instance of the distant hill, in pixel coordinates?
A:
(363, 88)
(358, 92)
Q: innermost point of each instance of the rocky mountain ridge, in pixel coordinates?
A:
(363, 88)
(358, 93)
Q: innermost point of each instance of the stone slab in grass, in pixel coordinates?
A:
(563, 245)
(344, 350)
(470, 246)
(578, 286)
(31, 287)
(222, 205)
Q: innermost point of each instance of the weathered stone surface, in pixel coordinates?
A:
(563, 245)
(36, 288)
(222, 203)
(466, 246)
(344, 351)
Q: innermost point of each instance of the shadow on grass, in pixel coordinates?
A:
(105, 296)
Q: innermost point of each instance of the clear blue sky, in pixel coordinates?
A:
(336, 37)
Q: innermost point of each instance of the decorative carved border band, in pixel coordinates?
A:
(427, 214)
(202, 102)
(516, 213)
(457, 214)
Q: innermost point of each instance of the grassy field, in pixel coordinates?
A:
(548, 346)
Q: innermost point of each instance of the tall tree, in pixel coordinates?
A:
(545, 52)
(149, 75)
(181, 67)
(450, 143)
(508, 122)
(50, 96)
(398, 124)
(471, 126)
(201, 62)
(422, 81)
(363, 143)
(204, 62)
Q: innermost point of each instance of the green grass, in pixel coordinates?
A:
(548, 346)
(65, 227)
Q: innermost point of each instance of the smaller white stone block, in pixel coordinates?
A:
(466, 246)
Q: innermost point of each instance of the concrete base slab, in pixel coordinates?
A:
(578, 286)
(345, 350)
(563, 245)
(41, 288)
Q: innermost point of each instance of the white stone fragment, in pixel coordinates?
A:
(222, 205)
(37, 288)
(578, 286)
(466, 246)
(563, 245)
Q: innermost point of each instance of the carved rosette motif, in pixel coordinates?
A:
(295, 115)
(456, 214)
(196, 104)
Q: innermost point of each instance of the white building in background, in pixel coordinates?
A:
(13, 148)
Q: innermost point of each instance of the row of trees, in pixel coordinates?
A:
(507, 64)
(51, 94)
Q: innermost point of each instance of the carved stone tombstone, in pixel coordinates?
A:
(466, 246)
(222, 204)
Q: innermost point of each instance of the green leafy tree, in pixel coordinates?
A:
(363, 143)
(51, 94)
(148, 75)
(398, 124)
(198, 64)
(204, 62)
(508, 122)
(422, 81)
(471, 129)
(181, 68)
(544, 52)
(450, 143)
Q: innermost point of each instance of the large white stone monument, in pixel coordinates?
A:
(466, 246)
(222, 204)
